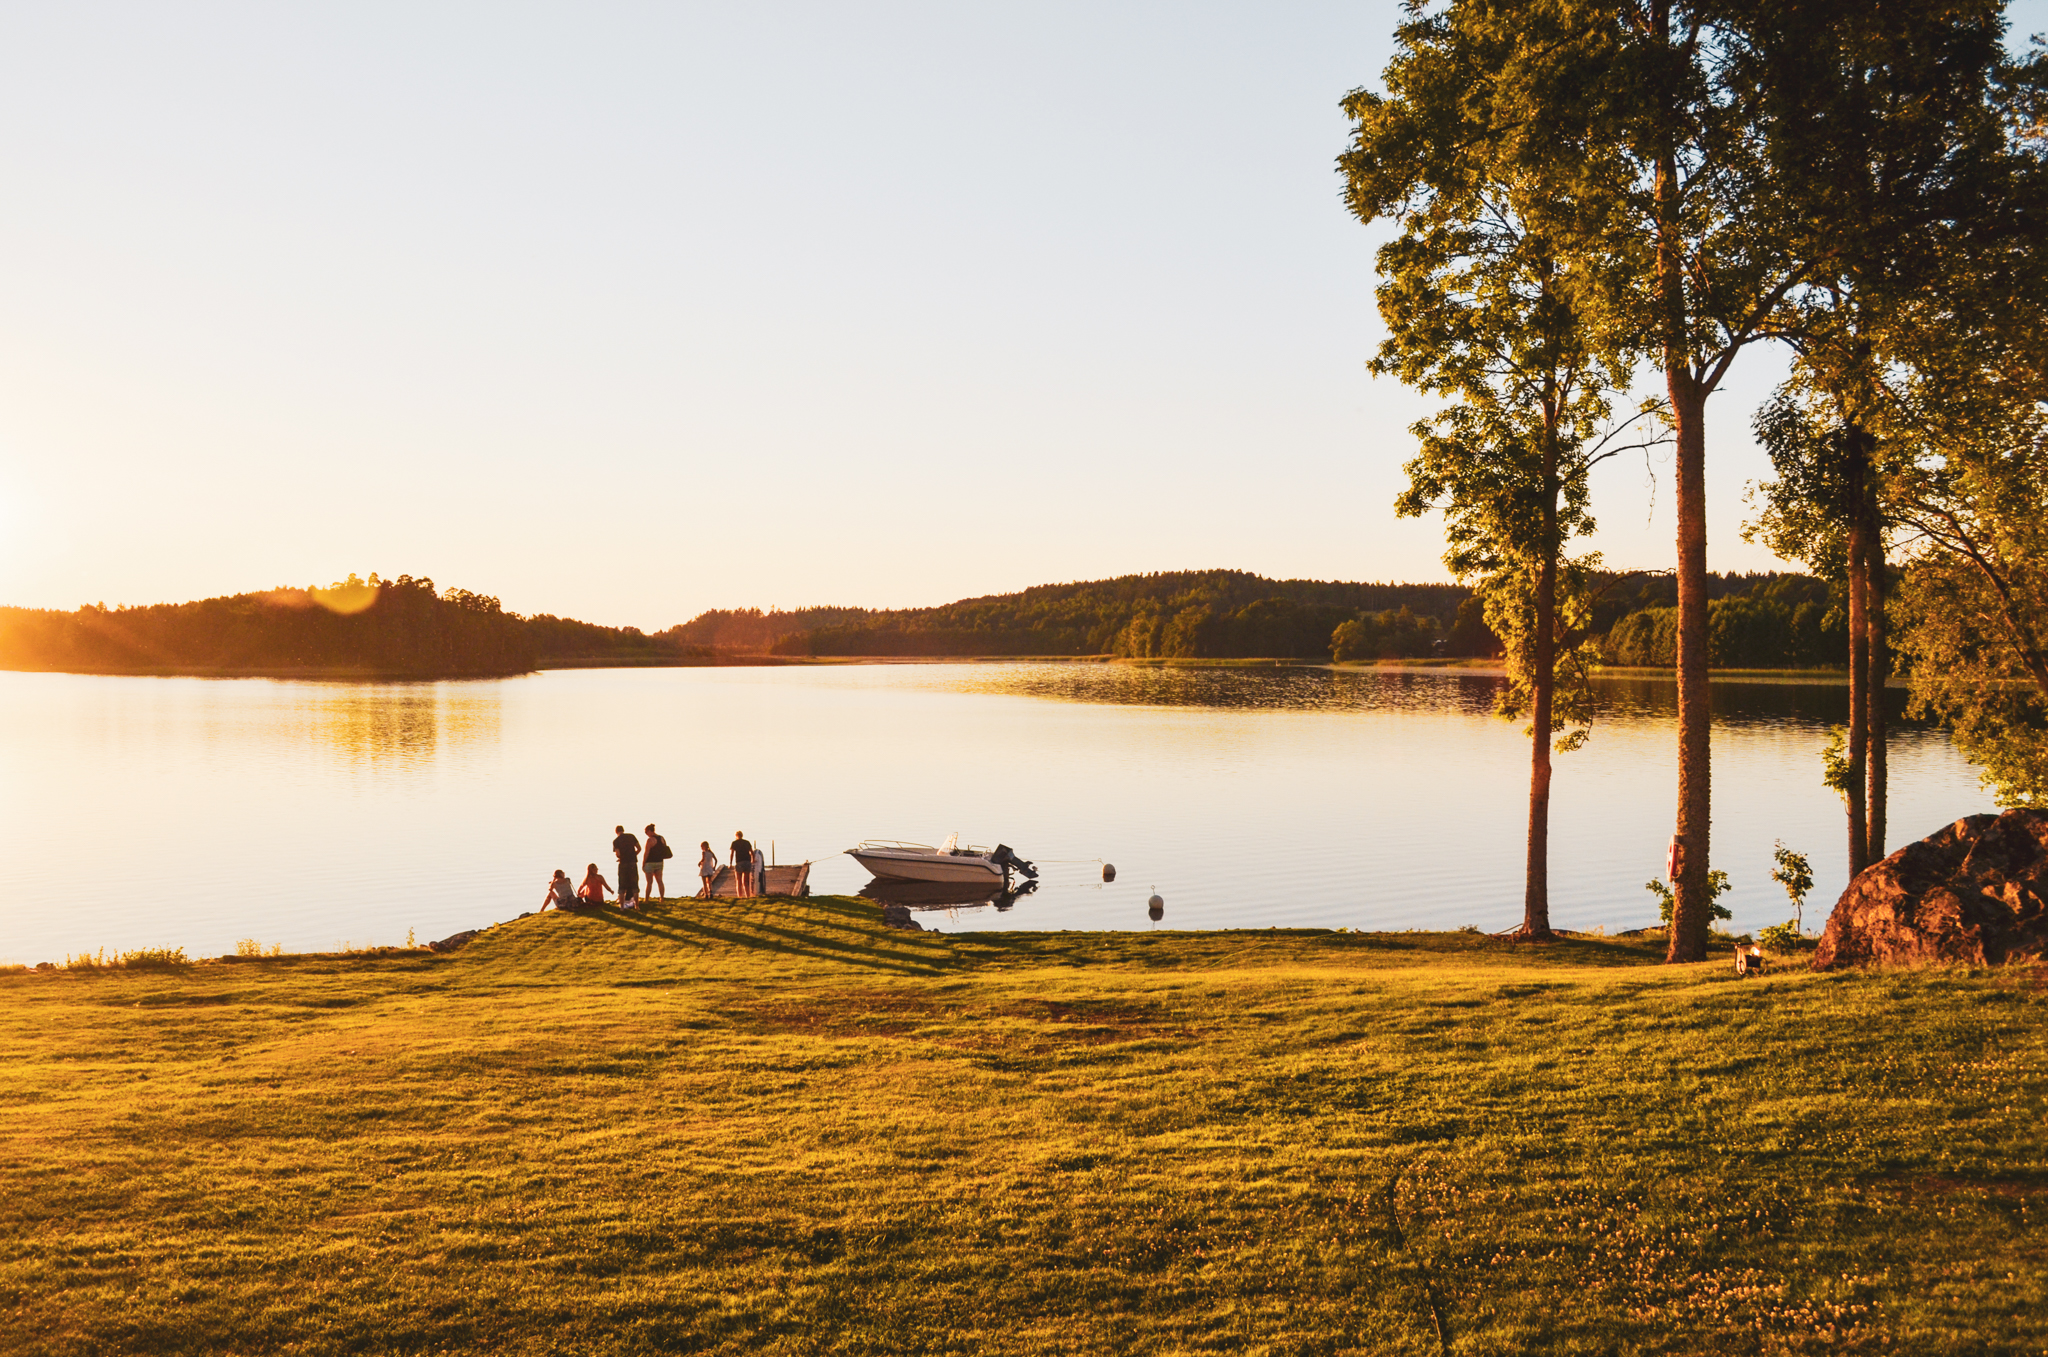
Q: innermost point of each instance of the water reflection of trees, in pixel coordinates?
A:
(1279, 689)
(1815, 702)
(398, 722)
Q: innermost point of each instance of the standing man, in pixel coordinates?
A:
(742, 864)
(627, 849)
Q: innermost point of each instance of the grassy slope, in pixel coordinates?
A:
(775, 1127)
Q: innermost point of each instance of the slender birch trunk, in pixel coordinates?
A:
(1859, 692)
(1880, 668)
(1689, 915)
(1543, 682)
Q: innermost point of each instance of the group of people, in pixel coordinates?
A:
(649, 859)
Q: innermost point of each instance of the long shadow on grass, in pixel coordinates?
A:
(784, 941)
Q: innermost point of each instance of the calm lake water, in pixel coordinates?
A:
(195, 812)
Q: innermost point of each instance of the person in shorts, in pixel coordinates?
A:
(561, 891)
(760, 871)
(651, 861)
(742, 855)
(626, 849)
(707, 869)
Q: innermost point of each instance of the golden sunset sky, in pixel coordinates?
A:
(623, 311)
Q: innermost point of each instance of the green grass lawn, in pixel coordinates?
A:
(773, 1126)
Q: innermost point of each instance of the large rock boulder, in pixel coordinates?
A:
(1974, 893)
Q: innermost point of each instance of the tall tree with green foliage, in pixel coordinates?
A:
(1973, 605)
(1645, 138)
(1477, 310)
(1686, 152)
(1827, 509)
(1894, 156)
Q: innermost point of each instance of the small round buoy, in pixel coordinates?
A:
(1155, 907)
(1109, 871)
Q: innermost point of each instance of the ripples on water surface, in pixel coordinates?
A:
(193, 812)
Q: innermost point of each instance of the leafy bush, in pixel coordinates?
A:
(1782, 937)
(251, 947)
(154, 958)
(1795, 874)
(1717, 886)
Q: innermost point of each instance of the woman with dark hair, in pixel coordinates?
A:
(652, 860)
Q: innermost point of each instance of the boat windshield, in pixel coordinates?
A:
(952, 843)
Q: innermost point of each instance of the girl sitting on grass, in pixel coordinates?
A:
(560, 893)
(592, 891)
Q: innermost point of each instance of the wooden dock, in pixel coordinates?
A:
(780, 881)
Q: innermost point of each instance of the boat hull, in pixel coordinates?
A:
(928, 867)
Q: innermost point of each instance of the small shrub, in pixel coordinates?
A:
(251, 947)
(1717, 886)
(1782, 937)
(87, 961)
(154, 958)
(1795, 874)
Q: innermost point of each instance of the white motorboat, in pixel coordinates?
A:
(894, 860)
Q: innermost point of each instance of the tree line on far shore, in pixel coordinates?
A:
(403, 627)
(1761, 620)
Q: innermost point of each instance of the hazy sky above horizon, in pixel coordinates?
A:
(626, 311)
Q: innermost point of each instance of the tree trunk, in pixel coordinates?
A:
(1859, 691)
(1690, 915)
(1543, 682)
(1690, 909)
(1880, 667)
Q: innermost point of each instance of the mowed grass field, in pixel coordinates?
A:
(777, 1127)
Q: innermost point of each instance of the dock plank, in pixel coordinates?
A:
(782, 880)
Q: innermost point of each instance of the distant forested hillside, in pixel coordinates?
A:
(404, 628)
(1772, 621)
(396, 627)
(755, 632)
(1186, 614)
(1759, 620)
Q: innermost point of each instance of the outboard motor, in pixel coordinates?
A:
(1009, 862)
